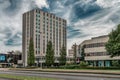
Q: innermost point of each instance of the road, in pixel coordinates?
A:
(65, 76)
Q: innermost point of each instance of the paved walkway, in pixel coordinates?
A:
(4, 69)
(5, 79)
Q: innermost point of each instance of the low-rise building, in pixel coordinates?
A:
(10, 59)
(95, 52)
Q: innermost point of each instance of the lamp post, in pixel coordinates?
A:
(41, 61)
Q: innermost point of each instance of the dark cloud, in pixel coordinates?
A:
(11, 39)
(15, 40)
(79, 9)
(13, 8)
(74, 33)
(14, 4)
(84, 10)
(69, 2)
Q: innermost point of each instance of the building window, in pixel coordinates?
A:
(96, 54)
(94, 45)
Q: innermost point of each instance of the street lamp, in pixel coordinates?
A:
(41, 61)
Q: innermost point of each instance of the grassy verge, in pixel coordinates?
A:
(23, 77)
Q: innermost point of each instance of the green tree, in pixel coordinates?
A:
(115, 63)
(82, 53)
(31, 56)
(113, 44)
(75, 53)
(49, 54)
(83, 64)
(62, 59)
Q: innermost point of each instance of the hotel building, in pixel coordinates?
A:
(42, 27)
(95, 52)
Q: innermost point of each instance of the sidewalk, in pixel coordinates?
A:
(4, 69)
(6, 79)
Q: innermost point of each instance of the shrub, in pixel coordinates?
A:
(83, 64)
(70, 67)
(115, 63)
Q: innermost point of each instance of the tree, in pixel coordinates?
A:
(113, 44)
(75, 52)
(82, 53)
(49, 54)
(115, 63)
(31, 56)
(83, 64)
(62, 59)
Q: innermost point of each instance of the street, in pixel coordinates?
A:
(64, 76)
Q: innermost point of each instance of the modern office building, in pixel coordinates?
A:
(95, 52)
(42, 27)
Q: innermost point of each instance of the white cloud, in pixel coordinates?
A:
(108, 3)
(12, 24)
(100, 23)
(41, 3)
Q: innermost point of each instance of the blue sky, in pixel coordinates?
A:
(85, 19)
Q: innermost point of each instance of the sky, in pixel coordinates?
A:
(85, 19)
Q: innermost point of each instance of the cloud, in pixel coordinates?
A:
(41, 3)
(11, 21)
(85, 18)
(108, 3)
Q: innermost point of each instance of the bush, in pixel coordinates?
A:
(31, 67)
(83, 64)
(115, 63)
(87, 67)
(103, 68)
(70, 67)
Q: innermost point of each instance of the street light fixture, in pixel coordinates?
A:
(41, 61)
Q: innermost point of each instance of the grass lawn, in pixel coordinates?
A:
(23, 77)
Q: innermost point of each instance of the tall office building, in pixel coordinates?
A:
(42, 27)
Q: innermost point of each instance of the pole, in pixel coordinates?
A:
(41, 62)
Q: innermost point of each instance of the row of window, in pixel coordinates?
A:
(96, 54)
(46, 19)
(51, 15)
(95, 45)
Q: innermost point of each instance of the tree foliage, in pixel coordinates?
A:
(62, 59)
(49, 54)
(83, 64)
(82, 53)
(31, 56)
(75, 53)
(115, 63)
(113, 44)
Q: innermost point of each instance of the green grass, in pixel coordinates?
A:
(23, 77)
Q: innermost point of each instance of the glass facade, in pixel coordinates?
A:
(100, 63)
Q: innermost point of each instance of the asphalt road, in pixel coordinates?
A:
(65, 76)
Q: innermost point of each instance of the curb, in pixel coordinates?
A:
(70, 73)
(67, 71)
